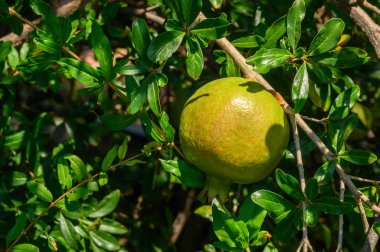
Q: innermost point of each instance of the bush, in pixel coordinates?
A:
(91, 93)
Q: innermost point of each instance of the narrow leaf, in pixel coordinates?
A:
(107, 205)
(327, 38)
(80, 71)
(164, 45)
(358, 157)
(300, 88)
(293, 25)
(40, 191)
(211, 28)
(194, 60)
(109, 158)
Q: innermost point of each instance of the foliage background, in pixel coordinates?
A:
(59, 126)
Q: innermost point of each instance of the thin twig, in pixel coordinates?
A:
(372, 238)
(52, 204)
(370, 7)
(341, 220)
(301, 171)
(363, 215)
(180, 220)
(71, 53)
(363, 20)
(375, 182)
(26, 21)
(320, 121)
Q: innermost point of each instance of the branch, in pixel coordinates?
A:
(363, 216)
(375, 182)
(63, 11)
(363, 20)
(305, 241)
(341, 220)
(372, 239)
(370, 7)
(180, 220)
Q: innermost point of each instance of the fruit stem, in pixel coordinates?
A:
(217, 187)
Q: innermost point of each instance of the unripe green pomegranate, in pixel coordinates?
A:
(233, 130)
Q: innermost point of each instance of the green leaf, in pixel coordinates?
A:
(376, 227)
(341, 130)
(300, 88)
(81, 71)
(216, 3)
(358, 157)
(47, 45)
(24, 247)
(311, 189)
(102, 48)
(13, 57)
(40, 191)
(310, 216)
(123, 148)
(321, 72)
(289, 185)
(325, 172)
(285, 230)
(112, 226)
(164, 45)
(275, 32)
(345, 57)
(165, 125)
(117, 122)
(188, 175)
(251, 41)
(272, 202)
(293, 23)
(14, 178)
(153, 94)
(327, 38)
(103, 179)
(140, 67)
(190, 10)
(104, 240)
(211, 28)
(16, 140)
(194, 60)
(17, 228)
(77, 165)
(140, 37)
(346, 99)
(68, 231)
(230, 68)
(152, 129)
(331, 205)
(224, 226)
(39, 7)
(107, 205)
(64, 175)
(109, 158)
(5, 48)
(176, 10)
(173, 25)
(252, 215)
(265, 59)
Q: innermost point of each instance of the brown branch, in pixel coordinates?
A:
(180, 220)
(305, 241)
(29, 26)
(375, 182)
(341, 220)
(370, 7)
(363, 20)
(372, 238)
(52, 204)
(362, 215)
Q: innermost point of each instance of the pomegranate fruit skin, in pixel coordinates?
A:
(233, 130)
